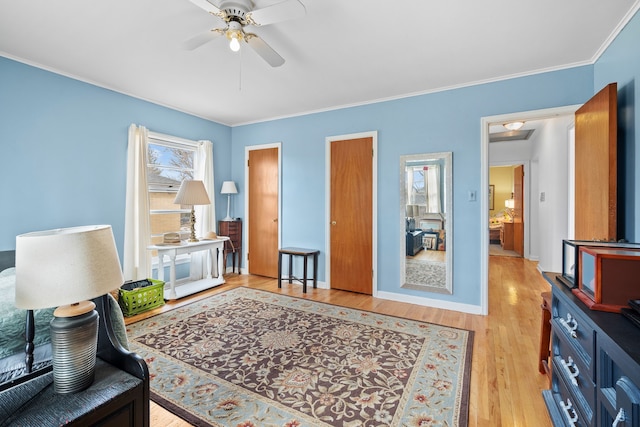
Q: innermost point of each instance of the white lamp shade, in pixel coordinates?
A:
(192, 193)
(65, 266)
(229, 187)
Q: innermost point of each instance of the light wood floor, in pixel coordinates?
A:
(505, 383)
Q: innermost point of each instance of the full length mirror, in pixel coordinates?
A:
(426, 210)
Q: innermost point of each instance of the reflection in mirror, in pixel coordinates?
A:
(426, 210)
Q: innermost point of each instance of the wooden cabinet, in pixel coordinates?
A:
(595, 364)
(232, 229)
(506, 236)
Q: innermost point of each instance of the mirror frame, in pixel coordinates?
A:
(448, 188)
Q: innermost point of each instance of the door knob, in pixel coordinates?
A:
(275, 220)
(333, 223)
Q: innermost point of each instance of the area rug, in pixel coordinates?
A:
(254, 358)
(426, 273)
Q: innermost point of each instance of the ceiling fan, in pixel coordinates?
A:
(238, 15)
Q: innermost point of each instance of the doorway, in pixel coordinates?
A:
(507, 230)
(486, 122)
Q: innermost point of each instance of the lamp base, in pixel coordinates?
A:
(227, 218)
(74, 339)
(193, 237)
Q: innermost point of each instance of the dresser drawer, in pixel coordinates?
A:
(562, 406)
(233, 230)
(232, 227)
(580, 386)
(569, 323)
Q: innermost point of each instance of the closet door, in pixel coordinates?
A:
(263, 212)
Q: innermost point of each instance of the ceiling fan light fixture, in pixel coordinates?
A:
(234, 35)
(514, 125)
(234, 44)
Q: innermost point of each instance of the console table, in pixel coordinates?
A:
(595, 364)
(174, 291)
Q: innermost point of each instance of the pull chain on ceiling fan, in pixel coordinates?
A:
(238, 15)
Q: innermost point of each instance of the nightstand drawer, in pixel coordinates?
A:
(577, 331)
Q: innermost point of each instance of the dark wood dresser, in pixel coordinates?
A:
(595, 364)
(232, 229)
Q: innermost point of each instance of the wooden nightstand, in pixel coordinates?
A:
(506, 236)
(232, 229)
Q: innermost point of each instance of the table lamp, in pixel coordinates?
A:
(228, 188)
(66, 268)
(509, 206)
(192, 193)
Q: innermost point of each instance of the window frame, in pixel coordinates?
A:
(174, 142)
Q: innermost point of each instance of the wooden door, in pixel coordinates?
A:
(351, 215)
(263, 212)
(518, 210)
(596, 170)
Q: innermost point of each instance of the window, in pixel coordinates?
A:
(170, 161)
(423, 187)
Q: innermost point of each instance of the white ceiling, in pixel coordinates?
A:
(342, 53)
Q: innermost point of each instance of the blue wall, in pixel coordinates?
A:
(444, 121)
(621, 63)
(63, 145)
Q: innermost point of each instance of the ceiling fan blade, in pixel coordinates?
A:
(284, 11)
(200, 39)
(204, 4)
(264, 50)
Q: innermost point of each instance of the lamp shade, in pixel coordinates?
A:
(229, 187)
(65, 266)
(509, 203)
(191, 193)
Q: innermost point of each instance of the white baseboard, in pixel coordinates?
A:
(429, 302)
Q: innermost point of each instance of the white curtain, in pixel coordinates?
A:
(137, 225)
(432, 185)
(410, 189)
(205, 214)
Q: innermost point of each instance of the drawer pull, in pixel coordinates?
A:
(568, 409)
(572, 370)
(570, 325)
(620, 418)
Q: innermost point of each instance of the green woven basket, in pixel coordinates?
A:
(142, 295)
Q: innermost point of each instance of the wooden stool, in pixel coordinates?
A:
(305, 253)
(545, 335)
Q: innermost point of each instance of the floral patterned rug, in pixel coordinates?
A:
(426, 273)
(253, 358)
